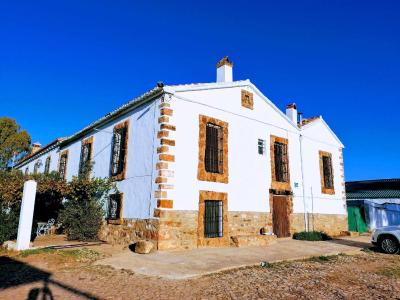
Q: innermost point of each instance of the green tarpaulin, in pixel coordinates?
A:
(356, 219)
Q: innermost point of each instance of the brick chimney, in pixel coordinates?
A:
(224, 70)
(291, 112)
(36, 147)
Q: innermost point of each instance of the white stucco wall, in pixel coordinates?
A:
(53, 162)
(249, 172)
(137, 186)
(316, 137)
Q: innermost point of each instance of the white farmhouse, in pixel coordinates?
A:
(208, 164)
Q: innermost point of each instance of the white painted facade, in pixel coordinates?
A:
(249, 172)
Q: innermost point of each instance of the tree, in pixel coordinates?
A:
(14, 142)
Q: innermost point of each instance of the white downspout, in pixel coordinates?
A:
(302, 181)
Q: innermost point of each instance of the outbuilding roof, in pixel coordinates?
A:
(373, 189)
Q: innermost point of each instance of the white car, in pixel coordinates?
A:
(387, 238)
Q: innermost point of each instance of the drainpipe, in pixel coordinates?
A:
(303, 185)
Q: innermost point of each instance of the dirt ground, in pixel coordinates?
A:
(70, 274)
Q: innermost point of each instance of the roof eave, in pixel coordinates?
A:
(43, 150)
(320, 119)
(133, 104)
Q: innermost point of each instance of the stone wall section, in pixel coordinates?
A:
(164, 181)
(248, 222)
(333, 225)
(177, 229)
(130, 231)
(341, 175)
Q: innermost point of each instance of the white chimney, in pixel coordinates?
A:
(224, 70)
(291, 112)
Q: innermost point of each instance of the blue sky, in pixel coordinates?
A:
(63, 64)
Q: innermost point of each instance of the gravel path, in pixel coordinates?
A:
(368, 275)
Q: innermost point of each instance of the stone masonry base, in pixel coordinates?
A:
(130, 231)
(177, 229)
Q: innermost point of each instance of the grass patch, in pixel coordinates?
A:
(311, 236)
(391, 273)
(323, 258)
(29, 252)
(81, 255)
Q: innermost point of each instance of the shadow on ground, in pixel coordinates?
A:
(353, 243)
(14, 273)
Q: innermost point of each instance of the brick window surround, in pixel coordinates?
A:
(202, 173)
(121, 174)
(202, 241)
(63, 164)
(119, 198)
(247, 99)
(277, 185)
(324, 188)
(86, 143)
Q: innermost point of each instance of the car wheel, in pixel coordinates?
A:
(389, 245)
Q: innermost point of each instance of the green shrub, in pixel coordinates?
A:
(49, 195)
(9, 223)
(311, 236)
(83, 210)
(83, 198)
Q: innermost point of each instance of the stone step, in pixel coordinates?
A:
(252, 240)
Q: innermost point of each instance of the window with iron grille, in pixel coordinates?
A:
(63, 165)
(26, 171)
(47, 165)
(214, 149)
(114, 206)
(281, 162)
(118, 150)
(327, 171)
(261, 147)
(213, 219)
(37, 166)
(86, 154)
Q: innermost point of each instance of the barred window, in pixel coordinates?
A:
(214, 149)
(327, 171)
(119, 148)
(37, 166)
(213, 219)
(281, 162)
(62, 169)
(47, 165)
(261, 147)
(86, 154)
(26, 171)
(114, 206)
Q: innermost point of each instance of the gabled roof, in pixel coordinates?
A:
(158, 91)
(315, 120)
(309, 120)
(222, 85)
(373, 189)
(147, 96)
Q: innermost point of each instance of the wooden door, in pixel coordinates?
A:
(280, 216)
